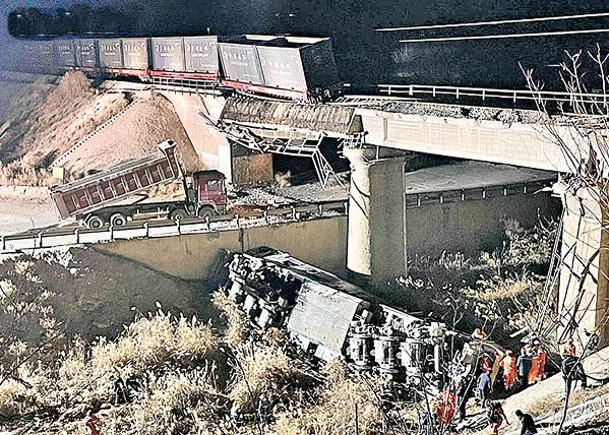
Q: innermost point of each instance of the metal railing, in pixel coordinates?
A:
(515, 95)
(57, 237)
(475, 194)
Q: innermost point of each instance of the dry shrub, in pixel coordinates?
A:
(22, 173)
(152, 340)
(82, 374)
(237, 327)
(334, 413)
(16, 398)
(510, 287)
(264, 371)
(176, 403)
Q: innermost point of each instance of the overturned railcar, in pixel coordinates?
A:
(332, 318)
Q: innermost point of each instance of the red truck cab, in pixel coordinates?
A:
(211, 193)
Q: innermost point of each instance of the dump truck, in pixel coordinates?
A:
(99, 200)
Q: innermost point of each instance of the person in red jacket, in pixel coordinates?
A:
(93, 425)
(496, 416)
(447, 404)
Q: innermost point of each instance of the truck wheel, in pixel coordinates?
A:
(205, 212)
(94, 222)
(118, 220)
(178, 214)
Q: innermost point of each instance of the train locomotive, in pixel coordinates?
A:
(332, 318)
(292, 67)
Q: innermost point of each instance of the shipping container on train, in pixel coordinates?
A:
(41, 57)
(110, 54)
(292, 67)
(240, 64)
(86, 54)
(201, 55)
(192, 58)
(66, 52)
(298, 63)
(167, 54)
(136, 58)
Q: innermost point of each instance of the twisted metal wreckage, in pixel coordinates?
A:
(332, 318)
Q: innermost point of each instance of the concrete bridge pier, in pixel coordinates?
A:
(376, 236)
(584, 280)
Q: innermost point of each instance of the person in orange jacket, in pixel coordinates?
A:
(534, 371)
(510, 374)
(542, 356)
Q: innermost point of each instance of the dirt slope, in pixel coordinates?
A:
(95, 292)
(134, 134)
(65, 115)
(47, 120)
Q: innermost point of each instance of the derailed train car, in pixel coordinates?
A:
(331, 318)
(299, 68)
(287, 66)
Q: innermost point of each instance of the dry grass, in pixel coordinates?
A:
(334, 412)
(237, 329)
(267, 372)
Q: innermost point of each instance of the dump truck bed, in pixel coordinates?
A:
(100, 190)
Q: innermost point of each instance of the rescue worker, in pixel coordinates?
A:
(527, 423)
(93, 424)
(445, 409)
(573, 371)
(568, 348)
(534, 370)
(510, 373)
(486, 363)
(484, 388)
(496, 416)
(524, 366)
(542, 357)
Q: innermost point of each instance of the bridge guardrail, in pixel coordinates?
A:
(412, 90)
(414, 200)
(151, 229)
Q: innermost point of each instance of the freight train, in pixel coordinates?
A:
(299, 68)
(332, 318)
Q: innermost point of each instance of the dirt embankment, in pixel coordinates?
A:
(134, 134)
(96, 294)
(46, 121)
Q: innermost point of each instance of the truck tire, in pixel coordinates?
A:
(178, 214)
(94, 222)
(118, 220)
(205, 212)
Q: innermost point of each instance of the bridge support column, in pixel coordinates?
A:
(376, 248)
(584, 276)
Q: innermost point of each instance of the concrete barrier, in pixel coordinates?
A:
(321, 242)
